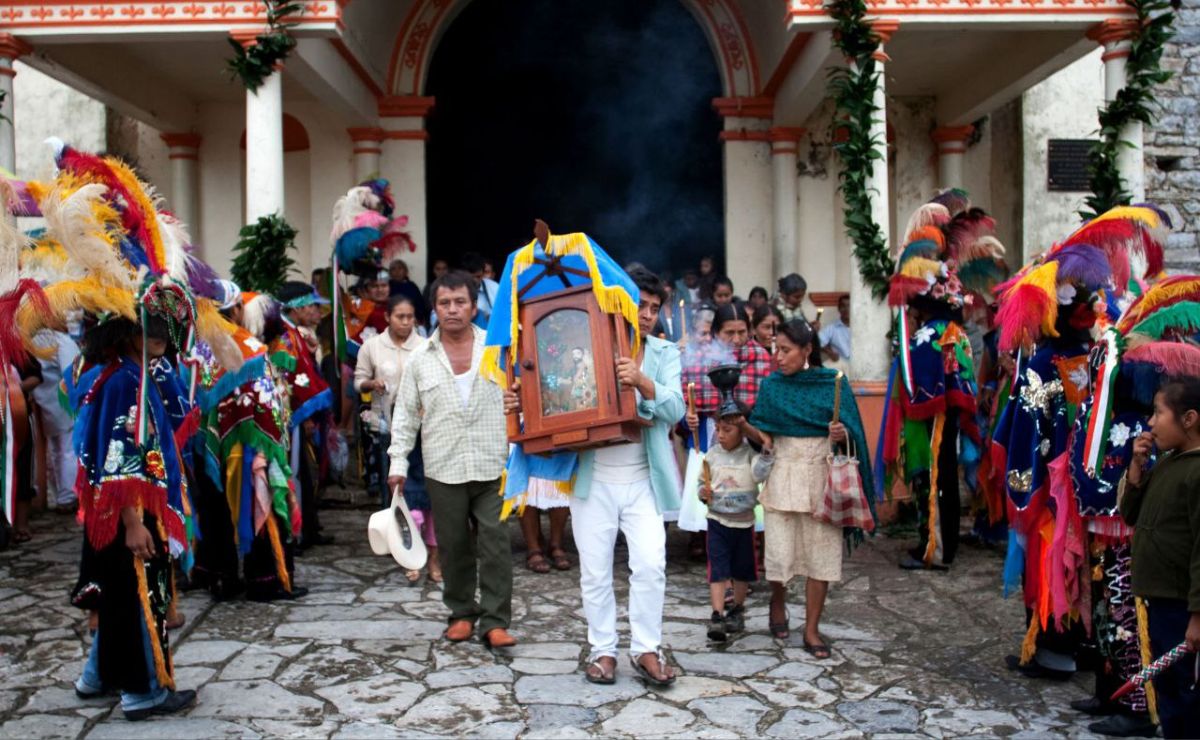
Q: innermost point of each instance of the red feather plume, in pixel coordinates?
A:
(1020, 316)
(902, 289)
(13, 351)
(1116, 237)
(94, 168)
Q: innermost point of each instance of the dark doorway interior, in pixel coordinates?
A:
(595, 116)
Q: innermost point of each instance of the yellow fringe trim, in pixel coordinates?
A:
(1155, 297)
(277, 549)
(939, 423)
(1029, 644)
(1143, 619)
(611, 299)
(160, 664)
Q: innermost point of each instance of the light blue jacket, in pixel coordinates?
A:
(660, 362)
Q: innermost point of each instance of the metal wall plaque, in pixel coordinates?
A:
(1067, 165)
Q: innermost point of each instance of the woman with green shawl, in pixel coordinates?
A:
(794, 411)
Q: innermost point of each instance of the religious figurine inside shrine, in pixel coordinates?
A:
(572, 314)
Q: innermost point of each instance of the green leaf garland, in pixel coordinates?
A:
(255, 64)
(262, 261)
(1133, 103)
(853, 90)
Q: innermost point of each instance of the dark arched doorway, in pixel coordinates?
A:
(594, 116)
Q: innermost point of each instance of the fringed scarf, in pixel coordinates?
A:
(801, 405)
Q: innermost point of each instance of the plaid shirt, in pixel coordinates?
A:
(756, 365)
(459, 445)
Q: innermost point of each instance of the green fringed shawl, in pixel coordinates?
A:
(801, 405)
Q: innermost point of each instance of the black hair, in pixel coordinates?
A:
(106, 341)
(762, 313)
(1181, 395)
(722, 280)
(648, 283)
(793, 283)
(398, 299)
(729, 312)
(800, 333)
(760, 291)
(293, 289)
(454, 280)
(471, 262)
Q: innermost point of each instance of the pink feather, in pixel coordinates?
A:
(1175, 359)
(1020, 316)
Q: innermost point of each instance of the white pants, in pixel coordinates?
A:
(62, 465)
(629, 507)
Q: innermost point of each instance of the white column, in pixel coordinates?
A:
(183, 149)
(264, 143)
(368, 147)
(951, 147)
(1114, 36)
(869, 317)
(402, 162)
(11, 49)
(785, 144)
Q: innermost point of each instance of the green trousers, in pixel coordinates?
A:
(473, 555)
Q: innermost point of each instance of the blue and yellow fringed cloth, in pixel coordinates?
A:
(615, 293)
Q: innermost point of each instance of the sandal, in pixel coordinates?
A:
(650, 678)
(780, 630)
(412, 576)
(819, 651)
(536, 562)
(559, 557)
(435, 574)
(602, 674)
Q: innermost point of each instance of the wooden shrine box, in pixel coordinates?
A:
(570, 397)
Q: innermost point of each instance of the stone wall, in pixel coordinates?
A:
(1172, 145)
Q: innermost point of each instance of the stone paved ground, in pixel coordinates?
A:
(914, 653)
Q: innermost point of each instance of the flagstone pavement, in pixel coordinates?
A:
(360, 657)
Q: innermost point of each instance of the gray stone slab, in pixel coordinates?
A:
(39, 726)
(202, 652)
(735, 665)
(327, 665)
(548, 650)
(57, 698)
(260, 699)
(392, 594)
(577, 692)
(787, 694)
(249, 665)
(804, 723)
(295, 730)
(557, 716)
(380, 697)
(406, 629)
(176, 728)
(468, 676)
(459, 711)
(735, 712)
(880, 715)
(648, 718)
(687, 688)
(541, 667)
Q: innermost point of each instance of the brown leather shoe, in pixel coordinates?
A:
(460, 630)
(498, 637)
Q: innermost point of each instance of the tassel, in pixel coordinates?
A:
(1029, 644)
(1143, 620)
(160, 664)
(277, 550)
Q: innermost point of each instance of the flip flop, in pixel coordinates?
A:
(647, 676)
(558, 557)
(601, 677)
(536, 562)
(818, 651)
(780, 630)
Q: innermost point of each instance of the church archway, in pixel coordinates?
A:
(594, 116)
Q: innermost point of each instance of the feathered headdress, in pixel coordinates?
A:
(1155, 331)
(1132, 238)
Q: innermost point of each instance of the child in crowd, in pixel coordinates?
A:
(729, 485)
(1163, 505)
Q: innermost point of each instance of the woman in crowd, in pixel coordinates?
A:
(794, 412)
(380, 367)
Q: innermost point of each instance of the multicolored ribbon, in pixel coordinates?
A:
(8, 471)
(1168, 659)
(1100, 421)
